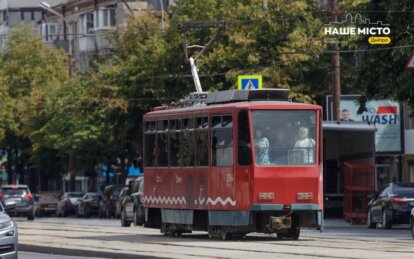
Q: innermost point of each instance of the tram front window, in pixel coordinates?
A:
(284, 137)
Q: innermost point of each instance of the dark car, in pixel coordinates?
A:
(109, 197)
(68, 203)
(391, 205)
(118, 205)
(22, 197)
(132, 209)
(46, 204)
(88, 204)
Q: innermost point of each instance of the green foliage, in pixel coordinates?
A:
(381, 71)
(282, 41)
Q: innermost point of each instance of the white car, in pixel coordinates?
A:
(8, 234)
(412, 222)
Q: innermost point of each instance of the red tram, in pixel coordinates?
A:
(234, 162)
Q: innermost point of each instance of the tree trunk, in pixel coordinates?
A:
(72, 172)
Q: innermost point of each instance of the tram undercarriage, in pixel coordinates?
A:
(232, 224)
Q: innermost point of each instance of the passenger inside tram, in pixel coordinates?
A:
(261, 145)
(306, 145)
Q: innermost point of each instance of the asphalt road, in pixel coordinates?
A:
(30, 255)
(106, 238)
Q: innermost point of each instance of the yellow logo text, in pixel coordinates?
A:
(379, 40)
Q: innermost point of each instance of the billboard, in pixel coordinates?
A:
(384, 114)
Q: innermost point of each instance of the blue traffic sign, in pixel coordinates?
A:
(250, 82)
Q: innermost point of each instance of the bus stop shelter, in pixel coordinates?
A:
(343, 142)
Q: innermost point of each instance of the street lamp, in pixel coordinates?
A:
(48, 8)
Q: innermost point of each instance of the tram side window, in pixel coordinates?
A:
(202, 141)
(162, 143)
(175, 148)
(222, 141)
(149, 144)
(188, 142)
(244, 145)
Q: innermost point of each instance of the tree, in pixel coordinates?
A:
(26, 66)
(380, 72)
(281, 40)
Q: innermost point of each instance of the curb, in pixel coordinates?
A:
(82, 253)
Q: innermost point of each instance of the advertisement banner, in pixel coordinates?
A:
(384, 114)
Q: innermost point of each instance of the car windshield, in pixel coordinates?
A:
(284, 137)
(14, 191)
(75, 195)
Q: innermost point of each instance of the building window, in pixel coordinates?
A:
(109, 18)
(49, 32)
(88, 23)
(106, 17)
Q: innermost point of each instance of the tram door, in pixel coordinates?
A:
(221, 149)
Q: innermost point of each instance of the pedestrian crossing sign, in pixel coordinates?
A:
(250, 82)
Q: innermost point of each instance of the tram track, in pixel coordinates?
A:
(143, 241)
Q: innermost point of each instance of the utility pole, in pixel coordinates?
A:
(336, 76)
(162, 16)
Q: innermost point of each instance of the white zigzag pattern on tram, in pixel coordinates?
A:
(217, 200)
(165, 200)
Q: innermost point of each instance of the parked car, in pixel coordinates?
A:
(109, 197)
(46, 204)
(412, 222)
(22, 197)
(118, 205)
(391, 205)
(88, 204)
(8, 230)
(132, 208)
(68, 203)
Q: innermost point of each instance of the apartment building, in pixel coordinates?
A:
(16, 13)
(82, 25)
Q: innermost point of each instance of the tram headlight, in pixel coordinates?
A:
(266, 195)
(305, 196)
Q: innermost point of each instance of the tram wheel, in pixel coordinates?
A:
(224, 234)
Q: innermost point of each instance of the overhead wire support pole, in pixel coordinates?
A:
(198, 26)
(335, 63)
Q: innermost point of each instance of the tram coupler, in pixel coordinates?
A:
(279, 223)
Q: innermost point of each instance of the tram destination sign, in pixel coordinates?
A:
(249, 82)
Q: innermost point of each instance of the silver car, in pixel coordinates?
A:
(412, 222)
(8, 234)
